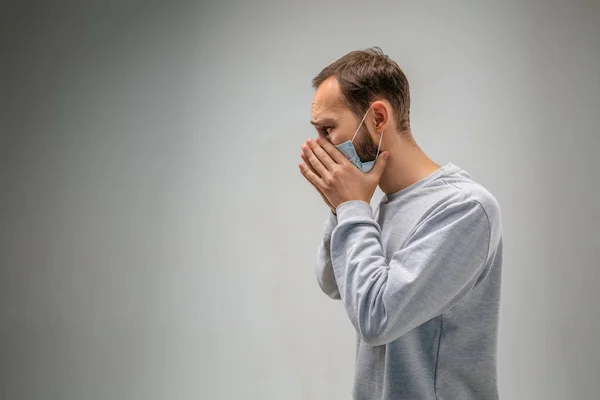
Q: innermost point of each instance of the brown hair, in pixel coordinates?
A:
(367, 75)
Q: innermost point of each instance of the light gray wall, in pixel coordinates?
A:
(157, 239)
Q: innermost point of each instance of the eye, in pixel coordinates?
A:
(324, 131)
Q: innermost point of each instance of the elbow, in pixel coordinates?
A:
(373, 332)
(379, 330)
(385, 332)
(374, 338)
(329, 288)
(371, 322)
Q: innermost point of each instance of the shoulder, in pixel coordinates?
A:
(475, 197)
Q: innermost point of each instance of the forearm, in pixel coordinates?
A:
(324, 267)
(359, 267)
(437, 267)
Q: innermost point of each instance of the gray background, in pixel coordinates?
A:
(158, 241)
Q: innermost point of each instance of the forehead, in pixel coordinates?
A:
(327, 101)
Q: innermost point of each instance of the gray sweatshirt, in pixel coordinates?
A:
(420, 281)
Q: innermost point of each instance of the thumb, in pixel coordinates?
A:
(380, 164)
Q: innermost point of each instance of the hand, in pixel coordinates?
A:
(336, 177)
(325, 199)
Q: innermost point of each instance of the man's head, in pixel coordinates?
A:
(360, 82)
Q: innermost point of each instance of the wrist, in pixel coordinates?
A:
(354, 208)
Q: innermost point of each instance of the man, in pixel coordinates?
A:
(420, 276)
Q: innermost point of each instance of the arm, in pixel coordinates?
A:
(434, 270)
(324, 270)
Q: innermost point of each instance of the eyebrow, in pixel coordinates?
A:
(324, 121)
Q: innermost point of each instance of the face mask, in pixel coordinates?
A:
(348, 150)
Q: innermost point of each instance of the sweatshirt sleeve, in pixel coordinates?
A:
(324, 269)
(437, 266)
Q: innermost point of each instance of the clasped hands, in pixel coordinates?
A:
(335, 177)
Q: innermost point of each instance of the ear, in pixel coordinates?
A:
(381, 115)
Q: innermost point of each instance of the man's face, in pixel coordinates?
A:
(335, 122)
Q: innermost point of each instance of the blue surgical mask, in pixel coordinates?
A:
(349, 151)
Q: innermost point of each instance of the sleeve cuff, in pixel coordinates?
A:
(354, 209)
(330, 223)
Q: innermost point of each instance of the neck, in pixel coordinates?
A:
(406, 165)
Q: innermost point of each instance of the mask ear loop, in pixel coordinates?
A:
(379, 146)
(359, 125)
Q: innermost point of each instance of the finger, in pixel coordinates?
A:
(323, 156)
(333, 152)
(311, 176)
(309, 181)
(380, 164)
(307, 163)
(314, 161)
(325, 199)
(313, 185)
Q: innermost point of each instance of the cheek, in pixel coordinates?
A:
(337, 137)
